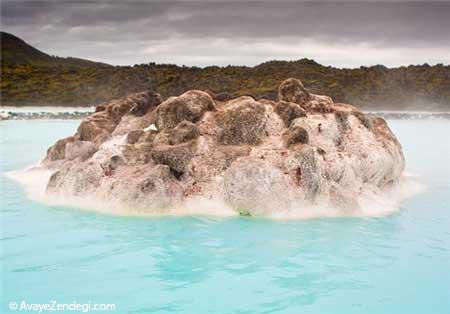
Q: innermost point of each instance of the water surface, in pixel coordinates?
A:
(394, 264)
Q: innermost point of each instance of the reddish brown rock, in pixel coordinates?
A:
(257, 157)
(177, 157)
(292, 90)
(58, 150)
(189, 106)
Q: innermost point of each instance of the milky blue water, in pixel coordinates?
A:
(394, 264)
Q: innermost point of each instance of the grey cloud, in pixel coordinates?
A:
(136, 25)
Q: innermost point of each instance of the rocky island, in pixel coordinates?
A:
(140, 154)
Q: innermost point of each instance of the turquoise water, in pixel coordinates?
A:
(394, 264)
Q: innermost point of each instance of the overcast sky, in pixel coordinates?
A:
(242, 33)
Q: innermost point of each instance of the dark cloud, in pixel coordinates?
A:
(134, 28)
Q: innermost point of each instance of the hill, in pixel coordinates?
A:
(15, 51)
(30, 77)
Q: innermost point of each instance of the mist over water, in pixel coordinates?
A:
(396, 263)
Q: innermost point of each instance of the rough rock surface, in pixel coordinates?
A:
(257, 157)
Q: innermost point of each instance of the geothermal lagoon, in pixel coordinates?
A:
(393, 263)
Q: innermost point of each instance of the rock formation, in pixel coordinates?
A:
(258, 157)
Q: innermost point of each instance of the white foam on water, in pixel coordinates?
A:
(34, 179)
(372, 202)
(203, 206)
(389, 200)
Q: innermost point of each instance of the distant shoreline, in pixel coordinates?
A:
(71, 112)
(366, 110)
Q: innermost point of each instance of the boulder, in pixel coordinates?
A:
(242, 122)
(292, 90)
(177, 157)
(96, 127)
(80, 149)
(185, 131)
(319, 104)
(289, 111)
(100, 126)
(256, 157)
(58, 150)
(145, 102)
(190, 106)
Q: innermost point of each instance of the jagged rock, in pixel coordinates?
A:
(177, 157)
(289, 111)
(145, 102)
(58, 150)
(292, 90)
(242, 122)
(258, 157)
(96, 127)
(80, 149)
(319, 104)
(189, 106)
(183, 132)
(99, 126)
